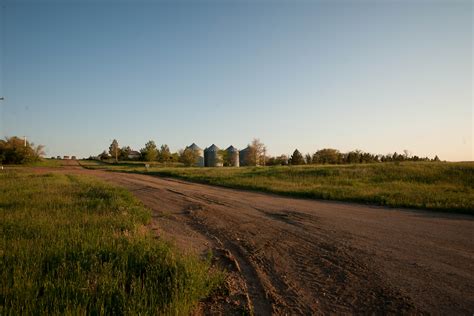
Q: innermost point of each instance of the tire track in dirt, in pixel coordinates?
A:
(260, 302)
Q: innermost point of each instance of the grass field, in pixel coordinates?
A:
(50, 163)
(75, 245)
(427, 185)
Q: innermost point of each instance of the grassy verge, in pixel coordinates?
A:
(75, 245)
(435, 186)
(50, 163)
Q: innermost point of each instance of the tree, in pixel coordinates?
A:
(260, 151)
(397, 157)
(436, 158)
(104, 155)
(225, 157)
(353, 157)
(327, 155)
(188, 157)
(114, 149)
(165, 154)
(277, 161)
(282, 160)
(174, 157)
(256, 153)
(297, 158)
(271, 161)
(368, 157)
(14, 150)
(150, 152)
(308, 159)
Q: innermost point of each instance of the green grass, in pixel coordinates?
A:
(50, 163)
(425, 185)
(46, 163)
(75, 245)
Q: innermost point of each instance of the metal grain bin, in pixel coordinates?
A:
(212, 157)
(232, 156)
(244, 156)
(200, 159)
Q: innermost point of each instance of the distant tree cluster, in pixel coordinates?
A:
(281, 160)
(148, 153)
(14, 150)
(334, 156)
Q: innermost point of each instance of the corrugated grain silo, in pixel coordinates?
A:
(212, 157)
(233, 156)
(200, 159)
(243, 156)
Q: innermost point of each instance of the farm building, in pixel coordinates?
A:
(65, 157)
(232, 156)
(196, 148)
(213, 157)
(134, 155)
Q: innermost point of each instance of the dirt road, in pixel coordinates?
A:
(297, 256)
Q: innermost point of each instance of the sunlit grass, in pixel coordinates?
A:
(74, 245)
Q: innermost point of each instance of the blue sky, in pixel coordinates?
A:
(381, 76)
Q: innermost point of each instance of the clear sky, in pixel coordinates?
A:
(380, 76)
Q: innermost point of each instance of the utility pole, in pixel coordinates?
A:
(24, 137)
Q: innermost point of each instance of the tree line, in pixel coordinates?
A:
(148, 153)
(255, 155)
(334, 156)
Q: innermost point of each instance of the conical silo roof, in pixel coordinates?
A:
(212, 148)
(246, 148)
(231, 149)
(193, 146)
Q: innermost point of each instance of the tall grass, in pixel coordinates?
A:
(74, 245)
(426, 185)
